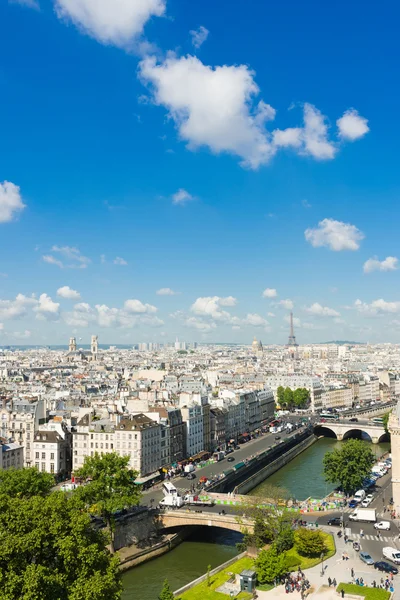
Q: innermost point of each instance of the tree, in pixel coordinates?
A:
(309, 542)
(166, 593)
(288, 397)
(280, 395)
(348, 465)
(208, 575)
(385, 420)
(285, 539)
(301, 397)
(25, 483)
(50, 550)
(269, 565)
(111, 487)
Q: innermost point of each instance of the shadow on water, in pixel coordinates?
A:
(205, 546)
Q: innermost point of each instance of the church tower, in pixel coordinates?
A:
(72, 344)
(94, 346)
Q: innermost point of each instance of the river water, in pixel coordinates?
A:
(302, 478)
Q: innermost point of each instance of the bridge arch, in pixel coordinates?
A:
(179, 518)
(356, 433)
(324, 431)
(385, 437)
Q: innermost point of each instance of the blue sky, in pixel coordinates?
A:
(208, 151)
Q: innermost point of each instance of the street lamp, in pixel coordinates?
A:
(322, 567)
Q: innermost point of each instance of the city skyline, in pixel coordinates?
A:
(168, 172)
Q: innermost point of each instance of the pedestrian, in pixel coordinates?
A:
(362, 533)
(334, 583)
(329, 581)
(342, 593)
(352, 573)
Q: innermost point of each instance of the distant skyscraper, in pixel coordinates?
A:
(292, 338)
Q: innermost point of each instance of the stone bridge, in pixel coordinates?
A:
(343, 431)
(180, 518)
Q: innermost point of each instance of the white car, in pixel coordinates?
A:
(367, 501)
(385, 525)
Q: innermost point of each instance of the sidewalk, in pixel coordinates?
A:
(335, 568)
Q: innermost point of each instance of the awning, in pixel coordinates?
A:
(142, 480)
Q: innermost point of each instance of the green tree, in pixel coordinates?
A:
(280, 395)
(166, 593)
(111, 487)
(25, 483)
(309, 542)
(285, 539)
(269, 565)
(50, 550)
(288, 397)
(385, 419)
(348, 465)
(301, 397)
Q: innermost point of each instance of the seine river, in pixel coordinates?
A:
(302, 477)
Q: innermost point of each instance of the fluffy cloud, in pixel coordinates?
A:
(166, 292)
(351, 126)
(73, 259)
(318, 310)
(269, 293)
(335, 235)
(46, 309)
(373, 264)
(212, 107)
(181, 197)
(255, 320)
(287, 304)
(114, 22)
(81, 316)
(210, 306)
(67, 293)
(199, 36)
(15, 309)
(311, 139)
(199, 324)
(120, 261)
(137, 307)
(377, 307)
(10, 201)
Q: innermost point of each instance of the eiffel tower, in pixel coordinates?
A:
(292, 338)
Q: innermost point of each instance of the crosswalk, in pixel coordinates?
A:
(356, 537)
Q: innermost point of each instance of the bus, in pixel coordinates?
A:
(377, 420)
(329, 416)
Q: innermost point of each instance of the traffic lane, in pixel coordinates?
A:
(245, 451)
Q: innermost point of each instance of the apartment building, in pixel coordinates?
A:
(12, 455)
(193, 418)
(19, 419)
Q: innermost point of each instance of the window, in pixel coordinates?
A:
(43, 455)
(52, 456)
(51, 467)
(43, 467)
(28, 427)
(36, 454)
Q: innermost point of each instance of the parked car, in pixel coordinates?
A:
(191, 476)
(353, 420)
(382, 525)
(230, 459)
(385, 566)
(367, 501)
(336, 521)
(353, 504)
(367, 558)
(277, 437)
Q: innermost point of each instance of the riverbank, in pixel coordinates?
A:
(132, 556)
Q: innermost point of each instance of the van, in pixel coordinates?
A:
(392, 554)
(359, 496)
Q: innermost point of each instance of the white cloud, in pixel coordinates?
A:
(296, 321)
(28, 3)
(199, 324)
(67, 293)
(22, 335)
(335, 235)
(377, 307)
(210, 306)
(390, 263)
(199, 36)
(51, 260)
(10, 201)
(15, 309)
(120, 261)
(271, 314)
(318, 310)
(46, 309)
(74, 258)
(166, 292)
(114, 22)
(269, 293)
(212, 107)
(255, 320)
(137, 307)
(351, 126)
(311, 139)
(287, 304)
(181, 197)
(81, 316)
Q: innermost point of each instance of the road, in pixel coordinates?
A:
(245, 451)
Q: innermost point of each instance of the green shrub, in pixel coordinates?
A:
(309, 543)
(291, 562)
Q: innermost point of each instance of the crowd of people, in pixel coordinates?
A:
(296, 582)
